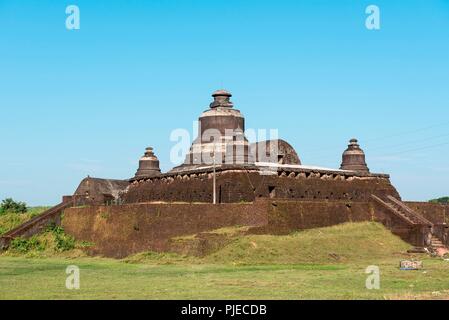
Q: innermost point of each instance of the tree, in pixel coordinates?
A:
(443, 200)
(10, 206)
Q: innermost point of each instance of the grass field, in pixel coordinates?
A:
(326, 263)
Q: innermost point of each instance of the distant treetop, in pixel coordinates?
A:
(443, 200)
(10, 206)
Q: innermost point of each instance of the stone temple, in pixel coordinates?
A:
(227, 181)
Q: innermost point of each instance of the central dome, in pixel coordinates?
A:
(221, 136)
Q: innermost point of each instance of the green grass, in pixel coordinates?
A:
(327, 263)
(9, 221)
(22, 278)
(325, 245)
(334, 244)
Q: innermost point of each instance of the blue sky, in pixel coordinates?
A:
(89, 101)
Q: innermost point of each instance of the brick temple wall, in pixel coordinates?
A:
(118, 231)
(235, 186)
(285, 217)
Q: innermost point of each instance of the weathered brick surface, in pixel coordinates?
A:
(118, 231)
(235, 186)
(287, 216)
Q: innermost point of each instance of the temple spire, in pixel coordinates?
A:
(221, 99)
(354, 158)
(148, 165)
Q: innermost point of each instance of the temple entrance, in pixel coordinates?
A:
(272, 191)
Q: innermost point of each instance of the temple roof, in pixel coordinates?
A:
(101, 186)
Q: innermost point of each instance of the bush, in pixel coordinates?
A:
(52, 239)
(64, 242)
(24, 245)
(10, 206)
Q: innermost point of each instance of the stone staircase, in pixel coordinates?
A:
(436, 243)
(413, 219)
(437, 246)
(401, 210)
(406, 211)
(35, 225)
